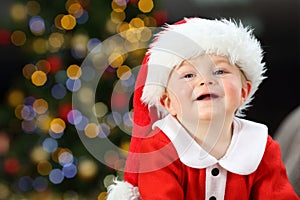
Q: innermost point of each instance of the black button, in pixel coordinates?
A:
(215, 172)
(212, 198)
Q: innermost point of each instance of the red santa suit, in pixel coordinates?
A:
(251, 168)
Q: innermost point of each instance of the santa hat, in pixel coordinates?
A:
(184, 40)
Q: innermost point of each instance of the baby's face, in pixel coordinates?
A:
(205, 88)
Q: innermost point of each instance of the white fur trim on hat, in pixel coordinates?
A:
(121, 190)
(199, 36)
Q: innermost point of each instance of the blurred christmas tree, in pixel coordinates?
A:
(41, 153)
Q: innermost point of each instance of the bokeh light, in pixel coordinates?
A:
(28, 126)
(128, 83)
(56, 135)
(61, 76)
(145, 5)
(18, 12)
(82, 124)
(4, 37)
(118, 6)
(115, 60)
(136, 23)
(39, 78)
(50, 145)
(57, 21)
(40, 184)
(133, 35)
(56, 176)
(57, 125)
(92, 43)
(74, 117)
(68, 22)
(58, 91)
(29, 100)
(33, 8)
(4, 143)
(40, 45)
(150, 21)
(75, 9)
(83, 18)
(39, 154)
(69, 170)
(44, 167)
(124, 72)
(117, 17)
(87, 169)
(79, 46)
(56, 41)
(43, 122)
(73, 85)
(25, 183)
(86, 94)
(55, 63)
(18, 110)
(11, 165)
(122, 28)
(91, 130)
(43, 65)
(55, 154)
(28, 113)
(100, 109)
(40, 106)
(65, 158)
(64, 109)
(37, 25)
(15, 97)
(146, 34)
(74, 72)
(108, 180)
(18, 38)
(104, 130)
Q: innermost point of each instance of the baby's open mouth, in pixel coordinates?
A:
(207, 97)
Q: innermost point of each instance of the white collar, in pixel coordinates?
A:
(243, 154)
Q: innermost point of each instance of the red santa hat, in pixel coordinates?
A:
(184, 40)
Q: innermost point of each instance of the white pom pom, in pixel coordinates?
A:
(122, 190)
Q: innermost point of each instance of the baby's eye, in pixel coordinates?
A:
(219, 72)
(189, 76)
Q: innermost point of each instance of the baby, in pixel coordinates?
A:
(196, 80)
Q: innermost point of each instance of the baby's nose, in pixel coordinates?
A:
(207, 81)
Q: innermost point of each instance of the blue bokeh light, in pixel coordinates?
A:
(69, 170)
(50, 145)
(58, 91)
(73, 85)
(56, 176)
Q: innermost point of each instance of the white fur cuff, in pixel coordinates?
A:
(122, 190)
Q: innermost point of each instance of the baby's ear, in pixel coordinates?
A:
(246, 90)
(165, 101)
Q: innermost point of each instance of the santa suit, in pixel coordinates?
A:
(180, 169)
